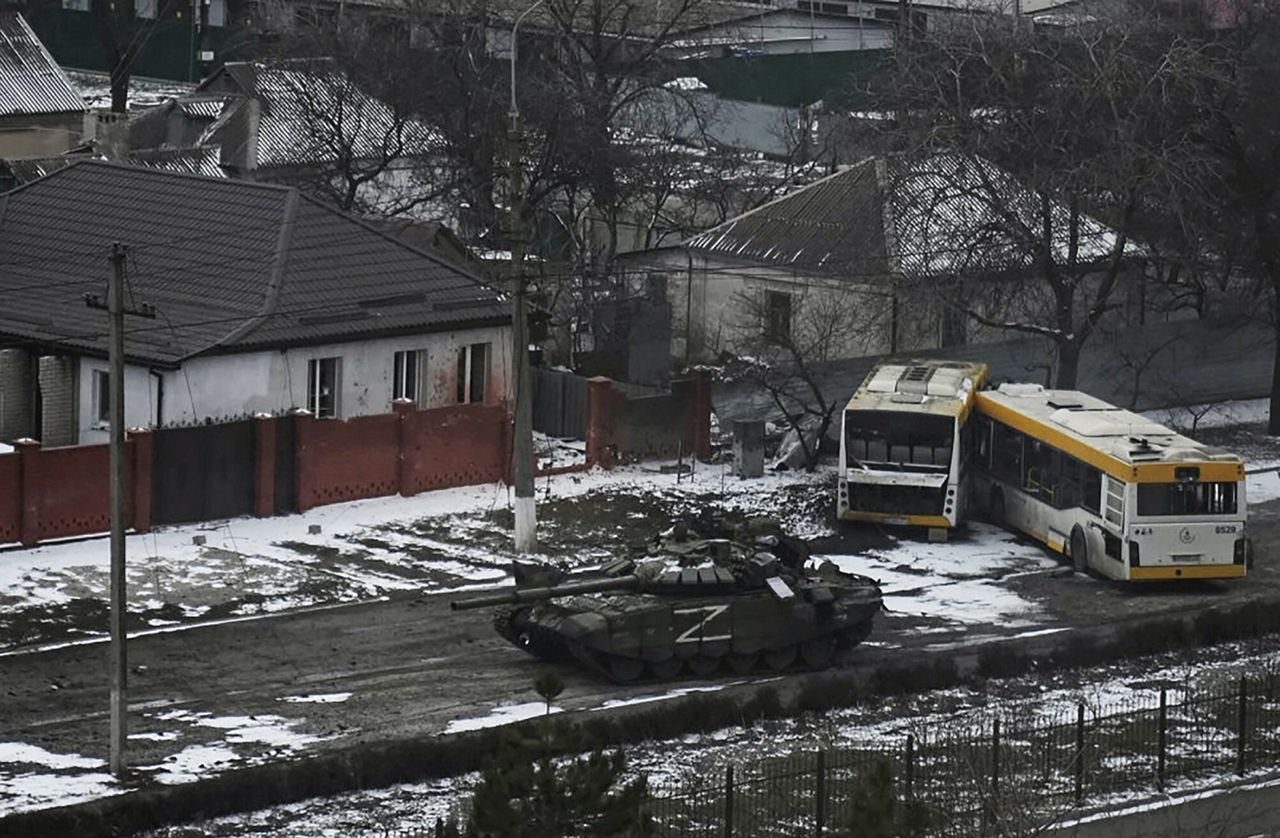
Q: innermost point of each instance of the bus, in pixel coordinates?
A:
(1120, 495)
(904, 445)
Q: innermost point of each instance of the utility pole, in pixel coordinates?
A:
(526, 520)
(116, 311)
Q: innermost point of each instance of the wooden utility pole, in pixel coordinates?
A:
(116, 311)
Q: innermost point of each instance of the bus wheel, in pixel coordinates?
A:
(1079, 549)
(995, 508)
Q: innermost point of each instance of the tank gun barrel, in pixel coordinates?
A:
(519, 596)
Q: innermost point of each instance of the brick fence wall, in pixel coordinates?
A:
(58, 492)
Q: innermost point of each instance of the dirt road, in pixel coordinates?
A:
(411, 665)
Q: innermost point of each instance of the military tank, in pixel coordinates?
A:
(743, 597)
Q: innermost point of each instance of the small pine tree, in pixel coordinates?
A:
(874, 811)
(528, 795)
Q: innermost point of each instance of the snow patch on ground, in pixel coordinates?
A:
(958, 581)
(193, 763)
(321, 698)
(503, 714)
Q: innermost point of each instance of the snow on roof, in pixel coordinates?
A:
(920, 386)
(1121, 434)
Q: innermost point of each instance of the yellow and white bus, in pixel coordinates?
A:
(1121, 495)
(904, 445)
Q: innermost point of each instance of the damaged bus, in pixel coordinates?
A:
(1120, 495)
(904, 445)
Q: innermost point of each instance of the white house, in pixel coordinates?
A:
(856, 257)
(265, 300)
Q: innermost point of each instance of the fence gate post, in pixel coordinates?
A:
(911, 763)
(1079, 754)
(1161, 742)
(728, 802)
(821, 792)
(1242, 726)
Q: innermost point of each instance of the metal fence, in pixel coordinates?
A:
(1001, 777)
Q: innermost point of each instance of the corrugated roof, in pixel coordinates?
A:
(295, 122)
(204, 160)
(31, 82)
(938, 216)
(231, 265)
(834, 225)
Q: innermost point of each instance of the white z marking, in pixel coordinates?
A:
(712, 611)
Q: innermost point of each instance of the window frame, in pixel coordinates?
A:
(401, 362)
(315, 380)
(102, 398)
(778, 319)
(465, 391)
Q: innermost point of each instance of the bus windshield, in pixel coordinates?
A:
(1186, 498)
(898, 437)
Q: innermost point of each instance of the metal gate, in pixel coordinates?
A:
(203, 473)
(560, 404)
(286, 465)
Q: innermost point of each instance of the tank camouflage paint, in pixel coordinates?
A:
(740, 596)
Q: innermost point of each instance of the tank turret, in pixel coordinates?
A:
(693, 600)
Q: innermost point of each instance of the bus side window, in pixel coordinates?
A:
(1007, 454)
(1092, 488)
(982, 449)
(1069, 486)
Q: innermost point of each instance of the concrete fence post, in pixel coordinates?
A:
(600, 422)
(29, 488)
(142, 448)
(265, 440)
(702, 416)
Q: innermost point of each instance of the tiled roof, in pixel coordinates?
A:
(230, 265)
(31, 82)
(886, 215)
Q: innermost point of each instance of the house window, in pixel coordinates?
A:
(76, 5)
(473, 373)
(777, 313)
(407, 376)
(323, 378)
(145, 8)
(217, 12)
(102, 397)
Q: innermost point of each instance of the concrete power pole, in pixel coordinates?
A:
(526, 523)
(119, 493)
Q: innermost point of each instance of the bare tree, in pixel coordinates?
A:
(1029, 153)
(1233, 193)
(784, 337)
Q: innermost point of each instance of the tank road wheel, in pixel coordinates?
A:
(818, 652)
(1079, 549)
(743, 662)
(624, 670)
(703, 666)
(667, 669)
(855, 634)
(780, 658)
